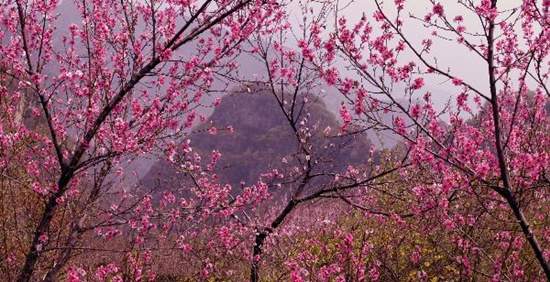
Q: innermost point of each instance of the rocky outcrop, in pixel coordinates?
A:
(261, 138)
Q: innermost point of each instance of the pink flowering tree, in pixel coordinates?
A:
(466, 187)
(487, 145)
(119, 80)
(316, 172)
(239, 230)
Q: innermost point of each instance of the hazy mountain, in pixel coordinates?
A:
(261, 137)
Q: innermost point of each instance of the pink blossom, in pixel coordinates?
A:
(457, 81)
(418, 83)
(438, 10)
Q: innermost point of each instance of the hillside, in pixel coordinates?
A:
(261, 138)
